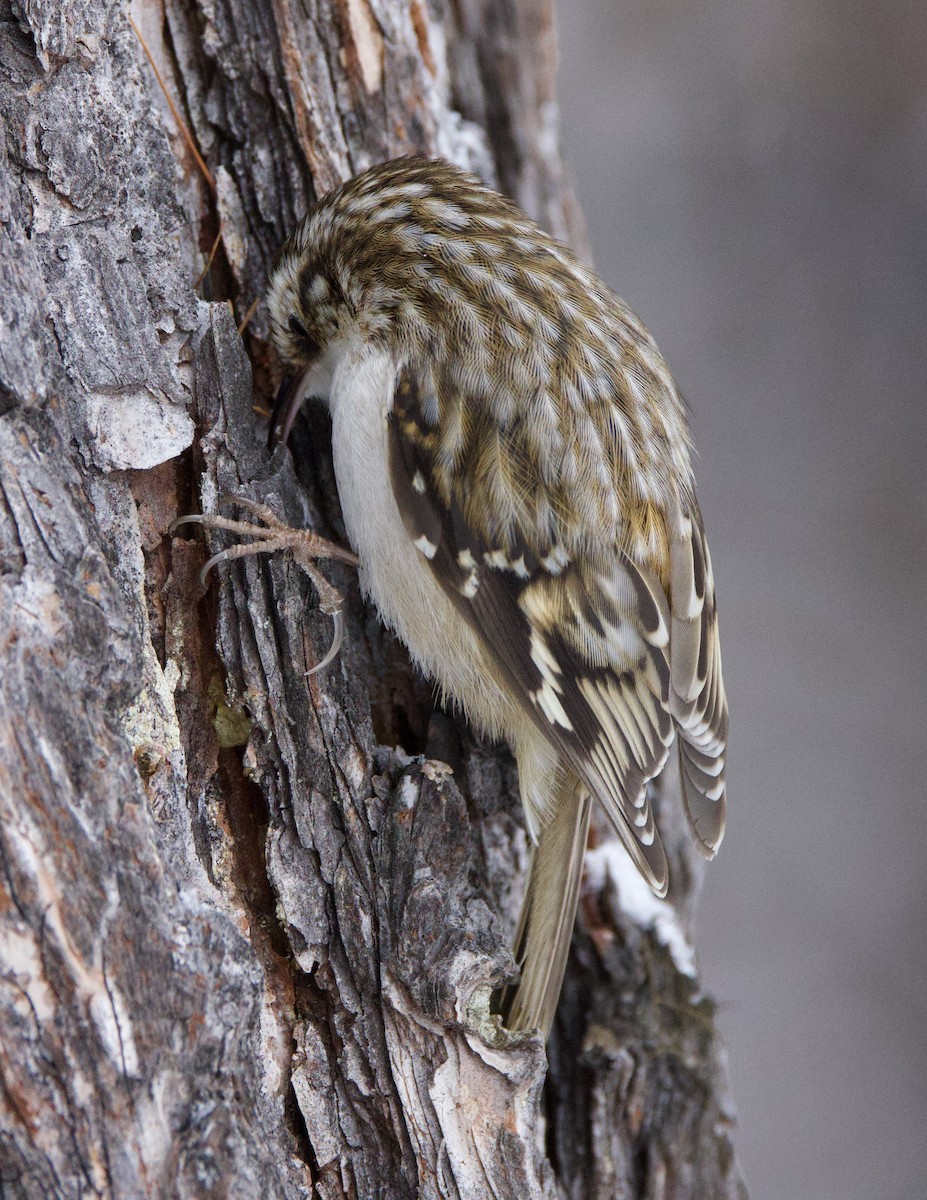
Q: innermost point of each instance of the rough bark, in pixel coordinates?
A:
(249, 921)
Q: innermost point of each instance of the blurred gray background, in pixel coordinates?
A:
(754, 177)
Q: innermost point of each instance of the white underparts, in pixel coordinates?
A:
(395, 573)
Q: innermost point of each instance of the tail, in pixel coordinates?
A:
(548, 913)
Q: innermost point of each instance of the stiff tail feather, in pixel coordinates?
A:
(548, 913)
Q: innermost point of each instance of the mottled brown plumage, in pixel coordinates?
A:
(513, 464)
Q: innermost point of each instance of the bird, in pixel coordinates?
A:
(513, 465)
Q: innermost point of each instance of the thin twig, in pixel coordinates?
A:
(181, 124)
(249, 314)
(209, 260)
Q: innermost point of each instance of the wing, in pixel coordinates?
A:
(697, 699)
(584, 643)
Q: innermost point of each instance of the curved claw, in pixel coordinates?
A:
(191, 519)
(333, 649)
(208, 566)
(240, 550)
(260, 510)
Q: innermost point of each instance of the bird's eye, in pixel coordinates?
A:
(307, 343)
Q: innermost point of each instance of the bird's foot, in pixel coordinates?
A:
(271, 535)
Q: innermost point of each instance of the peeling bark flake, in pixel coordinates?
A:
(368, 43)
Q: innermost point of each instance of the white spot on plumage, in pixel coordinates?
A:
(549, 703)
(430, 241)
(451, 215)
(555, 560)
(543, 659)
(392, 212)
(411, 191)
(428, 548)
(470, 586)
(457, 251)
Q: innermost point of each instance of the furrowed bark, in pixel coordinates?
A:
(250, 921)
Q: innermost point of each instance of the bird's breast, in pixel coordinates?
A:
(393, 573)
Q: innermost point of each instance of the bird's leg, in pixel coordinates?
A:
(271, 535)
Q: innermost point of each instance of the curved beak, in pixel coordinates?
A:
(290, 396)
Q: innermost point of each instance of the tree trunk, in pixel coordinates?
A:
(250, 921)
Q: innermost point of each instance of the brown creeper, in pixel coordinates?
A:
(513, 467)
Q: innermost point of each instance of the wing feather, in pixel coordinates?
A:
(697, 699)
(595, 650)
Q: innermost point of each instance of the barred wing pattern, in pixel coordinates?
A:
(697, 700)
(583, 641)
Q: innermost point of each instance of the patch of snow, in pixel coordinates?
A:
(611, 861)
